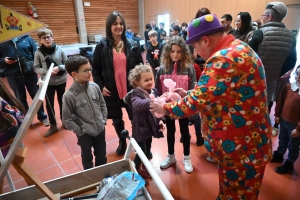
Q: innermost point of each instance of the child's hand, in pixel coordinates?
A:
(55, 70)
(295, 133)
(277, 120)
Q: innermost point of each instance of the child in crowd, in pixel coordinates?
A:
(163, 38)
(137, 38)
(129, 33)
(144, 124)
(84, 112)
(176, 65)
(154, 51)
(287, 114)
(183, 32)
(49, 53)
(148, 28)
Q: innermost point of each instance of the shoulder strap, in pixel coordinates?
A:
(16, 50)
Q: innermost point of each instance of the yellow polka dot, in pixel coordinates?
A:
(209, 18)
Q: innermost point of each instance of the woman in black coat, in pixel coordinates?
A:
(113, 58)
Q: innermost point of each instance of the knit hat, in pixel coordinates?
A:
(203, 26)
(278, 6)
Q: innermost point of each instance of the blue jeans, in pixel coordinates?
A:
(288, 142)
(20, 84)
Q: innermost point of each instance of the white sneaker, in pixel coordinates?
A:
(168, 161)
(275, 131)
(188, 167)
(210, 159)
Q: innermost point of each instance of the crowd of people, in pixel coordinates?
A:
(226, 81)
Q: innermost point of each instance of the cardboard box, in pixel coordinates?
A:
(79, 181)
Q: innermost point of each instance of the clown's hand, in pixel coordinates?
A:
(156, 106)
(182, 92)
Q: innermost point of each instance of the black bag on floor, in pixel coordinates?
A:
(87, 52)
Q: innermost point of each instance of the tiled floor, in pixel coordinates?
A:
(59, 155)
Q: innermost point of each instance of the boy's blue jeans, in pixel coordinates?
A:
(286, 141)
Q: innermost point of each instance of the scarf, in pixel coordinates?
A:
(48, 50)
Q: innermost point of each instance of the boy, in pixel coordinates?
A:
(49, 53)
(160, 31)
(154, 51)
(84, 112)
(163, 38)
(128, 33)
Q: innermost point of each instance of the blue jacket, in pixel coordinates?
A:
(129, 35)
(26, 48)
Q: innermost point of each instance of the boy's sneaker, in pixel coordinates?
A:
(188, 167)
(168, 161)
(275, 131)
(45, 122)
(210, 159)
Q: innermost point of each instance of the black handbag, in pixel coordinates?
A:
(25, 63)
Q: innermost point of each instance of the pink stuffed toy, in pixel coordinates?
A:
(170, 84)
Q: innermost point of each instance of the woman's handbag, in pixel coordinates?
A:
(26, 65)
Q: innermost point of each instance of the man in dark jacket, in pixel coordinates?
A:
(17, 79)
(274, 44)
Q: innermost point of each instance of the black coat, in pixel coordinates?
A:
(103, 71)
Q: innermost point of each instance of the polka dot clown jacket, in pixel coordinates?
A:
(231, 98)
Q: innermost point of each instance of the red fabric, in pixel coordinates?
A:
(197, 70)
(119, 63)
(288, 105)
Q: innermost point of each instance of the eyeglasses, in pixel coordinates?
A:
(46, 38)
(297, 75)
(262, 16)
(86, 70)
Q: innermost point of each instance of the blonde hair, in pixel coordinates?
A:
(152, 33)
(186, 57)
(43, 31)
(135, 74)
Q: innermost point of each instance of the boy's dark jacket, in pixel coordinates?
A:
(144, 124)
